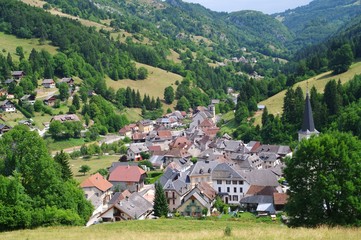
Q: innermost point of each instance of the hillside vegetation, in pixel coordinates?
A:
(274, 104)
(183, 229)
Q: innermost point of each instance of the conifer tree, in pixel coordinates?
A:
(160, 201)
(62, 159)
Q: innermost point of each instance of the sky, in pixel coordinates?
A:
(265, 6)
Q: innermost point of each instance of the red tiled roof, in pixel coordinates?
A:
(97, 181)
(181, 142)
(280, 198)
(126, 174)
(155, 148)
(165, 134)
(139, 136)
(207, 124)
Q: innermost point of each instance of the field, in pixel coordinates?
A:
(10, 42)
(274, 104)
(154, 85)
(183, 229)
(95, 163)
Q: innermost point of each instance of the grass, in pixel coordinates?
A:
(95, 163)
(275, 103)
(154, 85)
(133, 114)
(12, 119)
(183, 229)
(64, 144)
(10, 42)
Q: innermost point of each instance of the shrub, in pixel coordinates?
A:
(227, 231)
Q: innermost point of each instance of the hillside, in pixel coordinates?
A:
(318, 20)
(183, 229)
(275, 103)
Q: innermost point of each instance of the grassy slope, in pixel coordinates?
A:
(183, 229)
(154, 85)
(275, 103)
(10, 42)
(95, 163)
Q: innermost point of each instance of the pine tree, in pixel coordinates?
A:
(160, 201)
(62, 159)
(76, 101)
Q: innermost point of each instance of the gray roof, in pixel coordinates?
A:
(268, 156)
(262, 177)
(202, 198)
(48, 81)
(178, 185)
(224, 171)
(138, 148)
(169, 174)
(157, 160)
(116, 164)
(308, 124)
(203, 168)
(135, 206)
(266, 207)
(8, 81)
(257, 199)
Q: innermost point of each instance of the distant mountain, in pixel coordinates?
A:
(318, 20)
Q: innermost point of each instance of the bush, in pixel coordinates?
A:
(227, 231)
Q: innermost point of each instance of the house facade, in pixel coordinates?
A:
(48, 83)
(97, 189)
(127, 178)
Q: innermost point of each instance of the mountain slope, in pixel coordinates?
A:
(318, 20)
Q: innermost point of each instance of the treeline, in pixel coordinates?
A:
(35, 189)
(338, 108)
(102, 55)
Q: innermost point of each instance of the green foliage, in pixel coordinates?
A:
(169, 95)
(228, 231)
(62, 159)
(342, 59)
(33, 192)
(84, 169)
(183, 104)
(326, 170)
(160, 201)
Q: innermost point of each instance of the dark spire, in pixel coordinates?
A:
(308, 124)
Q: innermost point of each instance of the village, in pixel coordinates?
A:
(199, 166)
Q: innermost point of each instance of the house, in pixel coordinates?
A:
(175, 188)
(202, 172)
(48, 83)
(265, 209)
(7, 106)
(69, 81)
(251, 203)
(66, 118)
(133, 207)
(28, 99)
(97, 189)
(231, 185)
(3, 92)
(50, 100)
(127, 177)
(145, 126)
(4, 128)
(134, 151)
(10, 81)
(157, 161)
(126, 131)
(17, 74)
(197, 202)
(139, 137)
(279, 201)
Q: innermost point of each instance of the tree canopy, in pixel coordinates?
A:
(324, 178)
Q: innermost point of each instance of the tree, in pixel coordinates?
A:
(142, 73)
(63, 91)
(183, 104)
(76, 101)
(160, 201)
(84, 169)
(169, 95)
(56, 129)
(325, 170)
(62, 159)
(241, 112)
(342, 59)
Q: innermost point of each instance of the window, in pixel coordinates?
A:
(235, 189)
(173, 196)
(234, 182)
(219, 181)
(173, 201)
(228, 181)
(219, 189)
(228, 189)
(240, 182)
(235, 198)
(240, 189)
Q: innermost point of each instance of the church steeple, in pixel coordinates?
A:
(308, 125)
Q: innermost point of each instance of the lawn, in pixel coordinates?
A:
(12, 119)
(8, 43)
(64, 144)
(95, 163)
(183, 229)
(133, 114)
(154, 85)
